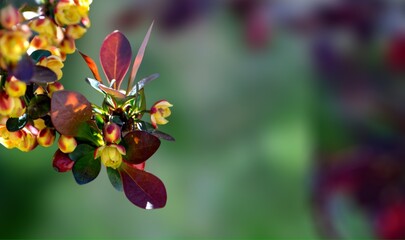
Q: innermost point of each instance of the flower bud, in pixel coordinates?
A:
(15, 87)
(112, 133)
(46, 137)
(75, 31)
(67, 144)
(54, 87)
(68, 45)
(159, 112)
(9, 16)
(61, 162)
(6, 104)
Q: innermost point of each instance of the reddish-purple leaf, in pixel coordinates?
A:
(24, 70)
(140, 146)
(143, 189)
(138, 59)
(68, 111)
(92, 65)
(111, 91)
(115, 57)
(43, 75)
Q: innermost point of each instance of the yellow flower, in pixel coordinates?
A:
(54, 63)
(111, 155)
(13, 44)
(19, 107)
(67, 13)
(39, 124)
(15, 87)
(43, 26)
(159, 112)
(22, 139)
(6, 104)
(9, 16)
(29, 141)
(10, 139)
(75, 31)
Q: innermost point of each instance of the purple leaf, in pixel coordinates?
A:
(143, 189)
(24, 70)
(140, 146)
(43, 75)
(138, 59)
(115, 57)
(68, 111)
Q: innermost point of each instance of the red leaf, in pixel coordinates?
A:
(143, 189)
(140, 146)
(115, 57)
(68, 111)
(92, 65)
(138, 59)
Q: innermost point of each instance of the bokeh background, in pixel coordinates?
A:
(268, 96)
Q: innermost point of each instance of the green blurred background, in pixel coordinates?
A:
(241, 163)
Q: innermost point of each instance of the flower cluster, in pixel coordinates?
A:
(35, 107)
(33, 47)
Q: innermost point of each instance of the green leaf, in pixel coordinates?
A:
(80, 151)
(15, 124)
(68, 111)
(37, 55)
(88, 131)
(115, 178)
(39, 106)
(86, 169)
(140, 102)
(140, 146)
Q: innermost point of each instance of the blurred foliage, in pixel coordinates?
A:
(240, 166)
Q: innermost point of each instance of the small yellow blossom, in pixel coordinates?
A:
(54, 63)
(44, 26)
(13, 44)
(75, 31)
(111, 155)
(159, 112)
(68, 13)
(15, 87)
